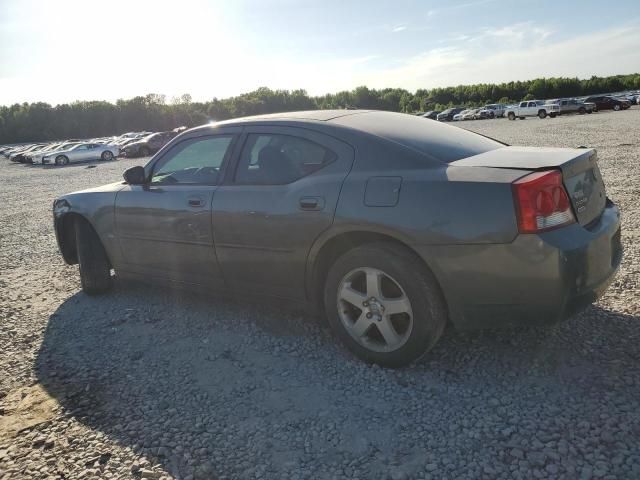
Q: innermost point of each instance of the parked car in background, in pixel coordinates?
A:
(572, 105)
(390, 225)
(26, 156)
(432, 114)
(18, 155)
(448, 114)
(458, 116)
(51, 149)
(607, 102)
(470, 114)
(493, 110)
(532, 108)
(147, 145)
(81, 152)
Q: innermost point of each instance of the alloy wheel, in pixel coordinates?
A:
(374, 309)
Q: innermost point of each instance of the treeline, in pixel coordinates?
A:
(86, 119)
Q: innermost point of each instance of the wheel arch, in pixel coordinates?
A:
(326, 251)
(66, 234)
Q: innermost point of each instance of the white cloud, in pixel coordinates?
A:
(527, 54)
(399, 28)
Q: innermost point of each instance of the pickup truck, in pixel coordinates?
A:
(571, 105)
(532, 108)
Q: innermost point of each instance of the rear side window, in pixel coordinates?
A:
(436, 140)
(274, 159)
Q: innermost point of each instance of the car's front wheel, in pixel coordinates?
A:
(384, 304)
(62, 160)
(106, 155)
(616, 107)
(95, 269)
(511, 116)
(542, 114)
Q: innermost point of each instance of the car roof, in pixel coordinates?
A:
(311, 115)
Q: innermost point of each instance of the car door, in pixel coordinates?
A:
(93, 151)
(523, 109)
(164, 227)
(79, 153)
(281, 197)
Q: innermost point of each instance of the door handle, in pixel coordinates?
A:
(195, 202)
(312, 203)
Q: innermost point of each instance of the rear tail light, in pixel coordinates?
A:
(541, 202)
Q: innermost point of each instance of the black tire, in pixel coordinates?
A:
(582, 111)
(429, 311)
(492, 115)
(106, 155)
(511, 116)
(552, 115)
(616, 107)
(542, 114)
(144, 151)
(62, 160)
(95, 269)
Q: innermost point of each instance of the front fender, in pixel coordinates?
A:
(96, 206)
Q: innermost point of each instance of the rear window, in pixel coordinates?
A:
(437, 140)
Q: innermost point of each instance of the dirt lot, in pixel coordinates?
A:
(150, 383)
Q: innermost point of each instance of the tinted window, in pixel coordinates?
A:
(279, 159)
(523, 104)
(196, 161)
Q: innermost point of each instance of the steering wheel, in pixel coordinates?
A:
(208, 171)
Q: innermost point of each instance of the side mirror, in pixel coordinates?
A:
(135, 176)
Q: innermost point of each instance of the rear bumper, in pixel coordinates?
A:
(536, 279)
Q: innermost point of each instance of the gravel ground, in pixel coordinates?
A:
(152, 383)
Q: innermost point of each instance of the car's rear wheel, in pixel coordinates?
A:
(62, 160)
(95, 269)
(144, 151)
(384, 305)
(542, 114)
(511, 116)
(106, 155)
(616, 107)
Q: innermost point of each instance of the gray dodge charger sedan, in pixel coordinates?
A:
(389, 225)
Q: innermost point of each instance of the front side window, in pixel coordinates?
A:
(272, 159)
(523, 104)
(195, 161)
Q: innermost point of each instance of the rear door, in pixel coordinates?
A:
(164, 227)
(281, 197)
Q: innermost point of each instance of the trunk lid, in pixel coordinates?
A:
(579, 166)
